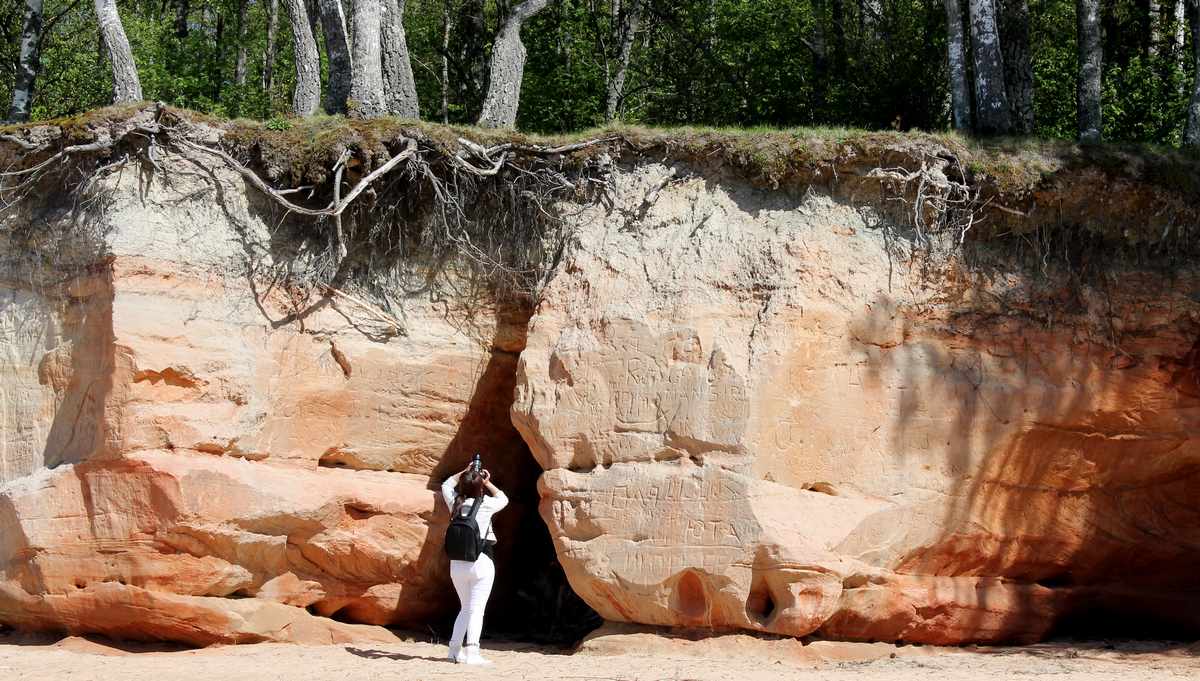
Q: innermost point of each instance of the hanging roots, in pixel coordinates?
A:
(490, 214)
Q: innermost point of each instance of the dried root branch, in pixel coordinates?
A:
(939, 203)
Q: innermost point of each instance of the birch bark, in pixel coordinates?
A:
(127, 88)
(1087, 16)
(1018, 69)
(308, 62)
(1191, 129)
(990, 97)
(960, 92)
(820, 52)
(366, 86)
(239, 68)
(268, 79)
(399, 86)
(507, 68)
(626, 15)
(28, 63)
(333, 27)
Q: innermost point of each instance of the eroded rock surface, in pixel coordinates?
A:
(194, 453)
(764, 410)
(758, 410)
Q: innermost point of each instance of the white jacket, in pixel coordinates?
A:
(491, 504)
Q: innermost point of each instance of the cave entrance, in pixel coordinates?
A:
(1108, 625)
(531, 598)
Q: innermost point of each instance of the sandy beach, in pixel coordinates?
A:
(613, 658)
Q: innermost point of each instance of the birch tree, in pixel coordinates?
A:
(626, 15)
(1013, 23)
(990, 97)
(399, 86)
(28, 63)
(1191, 129)
(337, 47)
(1155, 36)
(1087, 18)
(268, 75)
(820, 53)
(1178, 36)
(507, 68)
(308, 62)
(960, 93)
(179, 27)
(366, 87)
(127, 88)
(239, 69)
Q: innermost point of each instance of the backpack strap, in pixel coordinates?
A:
(474, 510)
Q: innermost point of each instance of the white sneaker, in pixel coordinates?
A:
(456, 653)
(474, 657)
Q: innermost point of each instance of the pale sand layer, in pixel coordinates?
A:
(676, 660)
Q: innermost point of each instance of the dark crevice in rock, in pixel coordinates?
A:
(1113, 625)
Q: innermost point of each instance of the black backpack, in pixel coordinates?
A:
(462, 537)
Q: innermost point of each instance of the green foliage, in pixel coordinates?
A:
(742, 63)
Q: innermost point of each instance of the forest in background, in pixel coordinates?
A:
(874, 64)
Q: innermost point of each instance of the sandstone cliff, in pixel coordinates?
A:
(777, 395)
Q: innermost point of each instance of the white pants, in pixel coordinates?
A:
(473, 582)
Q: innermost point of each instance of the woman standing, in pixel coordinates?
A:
(472, 579)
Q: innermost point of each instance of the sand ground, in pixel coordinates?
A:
(620, 658)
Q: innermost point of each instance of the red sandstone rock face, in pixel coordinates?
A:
(185, 461)
(754, 411)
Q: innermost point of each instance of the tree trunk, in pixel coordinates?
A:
(179, 27)
(308, 61)
(1087, 16)
(1191, 130)
(333, 26)
(507, 68)
(366, 86)
(626, 17)
(870, 12)
(1178, 36)
(399, 86)
(990, 97)
(1018, 70)
(960, 92)
(1155, 35)
(837, 41)
(127, 87)
(473, 54)
(820, 52)
(448, 23)
(239, 69)
(268, 79)
(29, 62)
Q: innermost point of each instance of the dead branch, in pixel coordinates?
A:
(393, 323)
(652, 195)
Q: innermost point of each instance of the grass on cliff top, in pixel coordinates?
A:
(1014, 165)
(307, 148)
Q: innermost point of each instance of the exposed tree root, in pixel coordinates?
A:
(413, 198)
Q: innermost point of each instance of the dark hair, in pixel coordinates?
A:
(470, 485)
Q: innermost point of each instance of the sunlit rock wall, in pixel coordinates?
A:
(192, 452)
(764, 410)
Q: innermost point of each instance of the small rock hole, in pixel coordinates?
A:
(760, 604)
